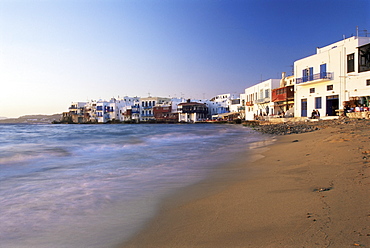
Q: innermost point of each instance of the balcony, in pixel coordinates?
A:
(250, 103)
(283, 94)
(315, 78)
(262, 100)
(75, 108)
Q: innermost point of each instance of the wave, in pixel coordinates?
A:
(70, 177)
(26, 154)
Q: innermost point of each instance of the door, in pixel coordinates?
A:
(310, 71)
(323, 71)
(332, 104)
(304, 107)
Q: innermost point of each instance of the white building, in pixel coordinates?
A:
(128, 108)
(147, 104)
(90, 109)
(258, 99)
(192, 111)
(222, 104)
(235, 105)
(77, 108)
(224, 101)
(103, 111)
(175, 102)
(336, 73)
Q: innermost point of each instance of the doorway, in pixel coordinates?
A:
(332, 104)
(304, 107)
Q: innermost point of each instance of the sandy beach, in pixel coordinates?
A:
(305, 190)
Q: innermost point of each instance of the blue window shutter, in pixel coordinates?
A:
(304, 75)
(311, 73)
(323, 71)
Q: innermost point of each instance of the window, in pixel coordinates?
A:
(368, 82)
(267, 93)
(351, 62)
(317, 102)
(312, 90)
(329, 87)
(364, 58)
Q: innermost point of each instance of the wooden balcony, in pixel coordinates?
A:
(283, 94)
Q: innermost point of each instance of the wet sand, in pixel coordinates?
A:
(306, 190)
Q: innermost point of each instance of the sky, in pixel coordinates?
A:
(55, 52)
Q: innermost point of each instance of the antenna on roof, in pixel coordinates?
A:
(365, 32)
(362, 32)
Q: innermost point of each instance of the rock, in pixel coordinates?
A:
(322, 189)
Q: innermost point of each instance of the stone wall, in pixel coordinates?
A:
(359, 115)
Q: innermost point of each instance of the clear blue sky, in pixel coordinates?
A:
(54, 52)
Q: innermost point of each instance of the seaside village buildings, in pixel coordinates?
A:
(153, 109)
(333, 81)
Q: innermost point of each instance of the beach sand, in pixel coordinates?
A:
(306, 190)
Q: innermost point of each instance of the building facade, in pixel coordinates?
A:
(337, 73)
(283, 97)
(192, 112)
(147, 104)
(258, 99)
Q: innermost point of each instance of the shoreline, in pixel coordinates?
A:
(309, 189)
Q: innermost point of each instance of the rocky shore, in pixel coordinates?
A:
(302, 127)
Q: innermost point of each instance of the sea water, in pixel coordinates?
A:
(95, 185)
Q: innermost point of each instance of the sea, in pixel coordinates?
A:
(96, 185)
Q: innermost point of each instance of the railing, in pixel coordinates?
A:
(262, 100)
(317, 76)
(72, 107)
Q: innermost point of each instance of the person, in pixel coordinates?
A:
(313, 114)
(317, 114)
(366, 108)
